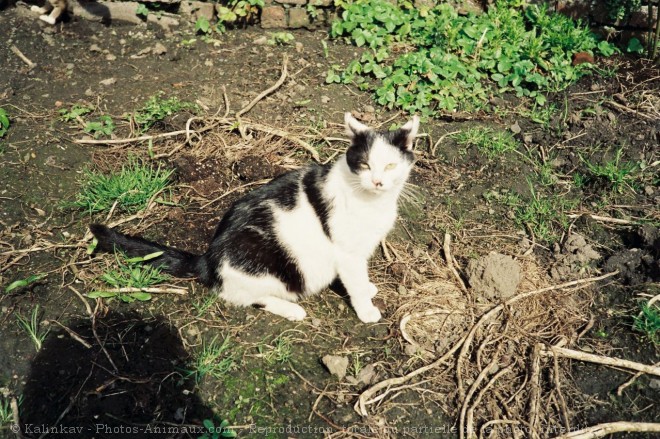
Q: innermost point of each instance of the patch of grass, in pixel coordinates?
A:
(73, 113)
(131, 188)
(430, 60)
(158, 108)
(104, 126)
(4, 122)
(543, 215)
(541, 114)
(205, 304)
(279, 351)
(613, 172)
(216, 360)
(131, 274)
(490, 142)
(648, 323)
(32, 327)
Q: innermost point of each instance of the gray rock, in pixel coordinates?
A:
(336, 365)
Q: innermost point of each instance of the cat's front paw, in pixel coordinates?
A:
(368, 314)
(38, 10)
(295, 313)
(372, 290)
(47, 18)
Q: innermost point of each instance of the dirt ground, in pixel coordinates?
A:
(114, 369)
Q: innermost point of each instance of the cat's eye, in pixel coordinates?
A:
(364, 166)
(390, 166)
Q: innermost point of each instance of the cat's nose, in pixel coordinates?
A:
(377, 183)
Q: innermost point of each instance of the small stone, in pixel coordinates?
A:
(515, 128)
(654, 384)
(108, 82)
(89, 92)
(410, 350)
(528, 139)
(70, 66)
(260, 41)
(367, 374)
(325, 99)
(159, 49)
(336, 365)
(369, 109)
(648, 190)
(95, 48)
(110, 57)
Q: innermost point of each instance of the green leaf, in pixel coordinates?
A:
(92, 246)
(141, 296)
(634, 46)
(142, 10)
(145, 257)
(23, 282)
(102, 294)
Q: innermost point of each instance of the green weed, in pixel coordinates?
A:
(541, 114)
(648, 322)
(202, 25)
(6, 412)
(222, 430)
(215, 359)
(4, 122)
(616, 174)
(237, 12)
(279, 351)
(131, 274)
(67, 115)
(543, 215)
(104, 126)
(490, 142)
(205, 304)
(142, 10)
(32, 327)
(131, 188)
(22, 283)
(280, 38)
(158, 108)
(445, 61)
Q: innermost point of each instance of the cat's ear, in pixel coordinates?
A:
(353, 127)
(409, 130)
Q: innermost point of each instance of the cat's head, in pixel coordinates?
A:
(380, 160)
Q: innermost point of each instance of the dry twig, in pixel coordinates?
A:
(601, 430)
(600, 359)
(23, 58)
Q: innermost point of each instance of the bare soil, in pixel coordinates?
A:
(116, 369)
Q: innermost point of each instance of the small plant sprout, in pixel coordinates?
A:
(216, 360)
(4, 122)
(618, 175)
(132, 276)
(648, 323)
(130, 189)
(158, 108)
(279, 351)
(75, 112)
(22, 283)
(280, 38)
(104, 126)
(203, 26)
(142, 10)
(490, 142)
(32, 327)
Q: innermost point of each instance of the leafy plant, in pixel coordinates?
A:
(635, 46)
(4, 122)
(238, 12)
(134, 275)
(158, 108)
(142, 10)
(131, 188)
(621, 9)
(104, 126)
(67, 115)
(215, 359)
(648, 322)
(32, 327)
(618, 175)
(22, 283)
(433, 60)
(202, 25)
(221, 431)
(280, 38)
(488, 141)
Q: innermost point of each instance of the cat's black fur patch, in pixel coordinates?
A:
(358, 153)
(312, 185)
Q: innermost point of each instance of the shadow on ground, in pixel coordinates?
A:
(130, 382)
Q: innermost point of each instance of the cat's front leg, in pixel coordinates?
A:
(355, 277)
(39, 10)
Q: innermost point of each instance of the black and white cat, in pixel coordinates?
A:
(295, 235)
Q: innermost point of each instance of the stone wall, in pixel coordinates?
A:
(295, 14)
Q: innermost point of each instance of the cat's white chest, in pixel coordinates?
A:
(358, 226)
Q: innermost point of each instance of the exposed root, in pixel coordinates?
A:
(601, 430)
(599, 359)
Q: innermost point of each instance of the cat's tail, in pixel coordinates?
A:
(174, 261)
